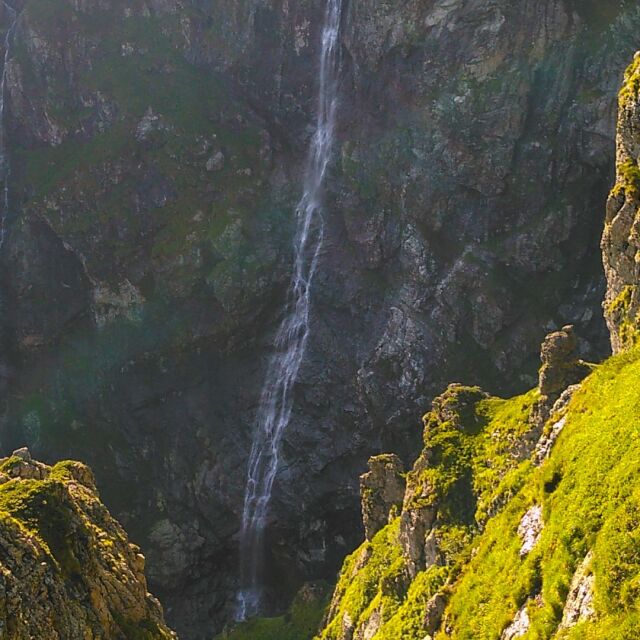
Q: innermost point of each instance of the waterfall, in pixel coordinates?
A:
(276, 401)
(5, 165)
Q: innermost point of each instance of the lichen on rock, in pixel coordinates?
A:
(382, 492)
(68, 570)
(621, 238)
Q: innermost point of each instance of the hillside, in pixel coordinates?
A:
(489, 544)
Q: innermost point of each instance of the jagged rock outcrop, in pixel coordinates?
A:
(621, 239)
(453, 412)
(381, 492)
(561, 369)
(492, 535)
(157, 151)
(68, 570)
(397, 582)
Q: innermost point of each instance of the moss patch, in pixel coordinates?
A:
(44, 509)
(628, 179)
(631, 85)
(620, 312)
(588, 491)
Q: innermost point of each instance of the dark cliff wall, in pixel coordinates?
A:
(156, 151)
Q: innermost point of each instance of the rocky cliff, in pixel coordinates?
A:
(155, 152)
(621, 239)
(505, 531)
(519, 518)
(68, 570)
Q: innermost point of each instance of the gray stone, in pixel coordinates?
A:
(23, 454)
(530, 529)
(216, 162)
(381, 490)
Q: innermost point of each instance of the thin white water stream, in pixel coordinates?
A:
(276, 400)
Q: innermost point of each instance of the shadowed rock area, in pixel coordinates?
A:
(157, 151)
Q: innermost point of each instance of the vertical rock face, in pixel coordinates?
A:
(397, 584)
(156, 150)
(558, 356)
(68, 570)
(516, 520)
(621, 239)
(381, 492)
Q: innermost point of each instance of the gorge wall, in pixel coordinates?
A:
(156, 151)
(519, 517)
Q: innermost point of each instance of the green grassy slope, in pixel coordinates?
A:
(589, 493)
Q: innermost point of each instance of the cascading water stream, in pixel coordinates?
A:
(5, 165)
(276, 400)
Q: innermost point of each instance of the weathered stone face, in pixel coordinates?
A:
(621, 239)
(381, 492)
(560, 367)
(155, 173)
(68, 568)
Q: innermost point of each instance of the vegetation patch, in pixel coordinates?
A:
(470, 464)
(628, 179)
(631, 85)
(620, 311)
(43, 508)
(588, 492)
(301, 622)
